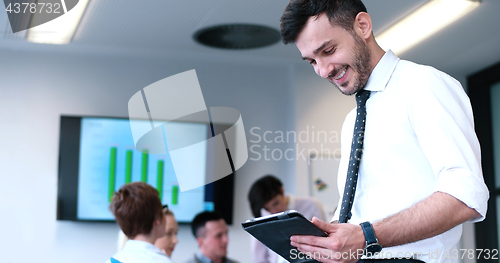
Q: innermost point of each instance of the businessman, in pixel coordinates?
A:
(210, 231)
(410, 172)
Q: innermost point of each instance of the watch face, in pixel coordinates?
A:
(372, 249)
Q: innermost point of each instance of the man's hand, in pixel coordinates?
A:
(432, 216)
(344, 243)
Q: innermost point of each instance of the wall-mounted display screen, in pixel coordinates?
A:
(97, 156)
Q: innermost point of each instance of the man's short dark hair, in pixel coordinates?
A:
(199, 221)
(136, 206)
(262, 191)
(339, 12)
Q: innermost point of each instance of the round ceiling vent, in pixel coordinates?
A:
(237, 36)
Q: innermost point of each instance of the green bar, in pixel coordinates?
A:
(128, 167)
(175, 194)
(112, 173)
(144, 168)
(159, 178)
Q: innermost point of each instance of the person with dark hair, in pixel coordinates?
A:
(414, 157)
(210, 231)
(138, 211)
(267, 196)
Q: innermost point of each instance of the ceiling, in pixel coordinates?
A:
(164, 28)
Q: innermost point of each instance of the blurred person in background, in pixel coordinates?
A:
(210, 231)
(165, 243)
(169, 240)
(267, 196)
(139, 213)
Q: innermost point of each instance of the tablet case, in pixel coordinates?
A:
(275, 231)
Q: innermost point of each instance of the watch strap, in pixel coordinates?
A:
(369, 233)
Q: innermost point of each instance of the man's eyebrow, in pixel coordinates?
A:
(319, 49)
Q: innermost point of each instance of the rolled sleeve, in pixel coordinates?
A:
(441, 116)
(454, 181)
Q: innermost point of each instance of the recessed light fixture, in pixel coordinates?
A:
(59, 30)
(237, 36)
(424, 22)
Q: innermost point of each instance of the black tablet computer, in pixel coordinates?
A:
(275, 231)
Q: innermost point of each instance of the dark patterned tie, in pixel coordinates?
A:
(355, 158)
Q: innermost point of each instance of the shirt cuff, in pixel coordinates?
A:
(466, 187)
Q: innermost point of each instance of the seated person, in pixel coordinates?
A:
(138, 211)
(267, 196)
(210, 231)
(167, 243)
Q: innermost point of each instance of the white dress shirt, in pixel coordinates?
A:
(308, 206)
(419, 139)
(199, 257)
(136, 251)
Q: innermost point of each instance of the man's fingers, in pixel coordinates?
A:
(315, 241)
(334, 247)
(320, 242)
(318, 253)
(311, 251)
(307, 240)
(329, 228)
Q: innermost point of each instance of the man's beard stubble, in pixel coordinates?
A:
(361, 65)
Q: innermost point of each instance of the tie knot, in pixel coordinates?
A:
(362, 96)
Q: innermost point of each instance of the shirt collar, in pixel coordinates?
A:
(141, 245)
(291, 202)
(382, 72)
(204, 259)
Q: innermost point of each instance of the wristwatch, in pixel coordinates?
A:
(372, 246)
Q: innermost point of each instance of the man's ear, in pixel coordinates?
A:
(282, 191)
(157, 225)
(158, 220)
(199, 240)
(363, 25)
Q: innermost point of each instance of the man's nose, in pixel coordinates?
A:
(323, 69)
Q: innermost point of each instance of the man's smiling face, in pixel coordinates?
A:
(336, 54)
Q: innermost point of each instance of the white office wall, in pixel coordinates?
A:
(37, 88)
(319, 108)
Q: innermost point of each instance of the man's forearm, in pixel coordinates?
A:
(432, 216)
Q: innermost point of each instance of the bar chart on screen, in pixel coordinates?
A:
(129, 156)
(109, 160)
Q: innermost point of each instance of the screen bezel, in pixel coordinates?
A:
(68, 173)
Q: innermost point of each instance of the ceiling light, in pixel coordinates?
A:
(423, 22)
(59, 30)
